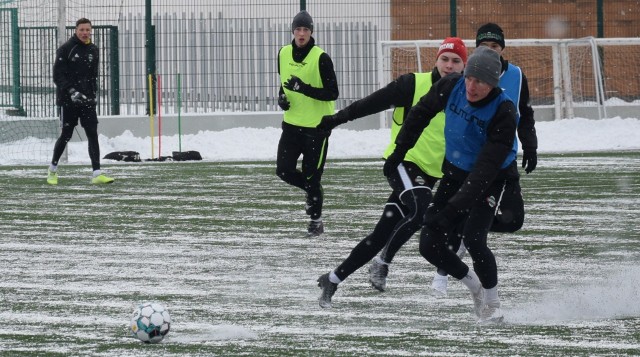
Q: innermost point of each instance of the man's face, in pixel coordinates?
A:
(492, 45)
(476, 89)
(83, 31)
(449, 62)
(302, 36)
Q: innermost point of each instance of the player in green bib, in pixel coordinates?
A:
(308, 90)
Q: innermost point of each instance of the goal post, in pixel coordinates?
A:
(567, 77)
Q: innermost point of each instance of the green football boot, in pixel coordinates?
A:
(52, 178)
(101, 179)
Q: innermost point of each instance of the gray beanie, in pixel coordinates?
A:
(302, 19)
(484, 64)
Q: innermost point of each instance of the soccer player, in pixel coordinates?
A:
(308, 90)
(413, 180)
(75, 74)
(510, 211)
(480, 158)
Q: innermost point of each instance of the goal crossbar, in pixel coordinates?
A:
(564, 74)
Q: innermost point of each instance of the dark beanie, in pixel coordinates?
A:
(302, 19)
(484, 64)
(490, 32)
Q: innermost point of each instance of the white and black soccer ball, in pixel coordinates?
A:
(150, 322)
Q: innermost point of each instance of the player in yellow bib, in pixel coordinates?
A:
(308, 90)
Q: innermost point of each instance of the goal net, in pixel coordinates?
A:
(579, 77)
(26, 140)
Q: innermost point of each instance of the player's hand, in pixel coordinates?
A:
(393, 161)
(283, 102)
(329, 122)
(295, 84)
(77, 97)
(529, 160)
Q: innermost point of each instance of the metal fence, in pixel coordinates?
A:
(224, 54)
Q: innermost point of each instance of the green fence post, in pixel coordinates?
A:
(15, 44)
(115, 70)
(453, 18)
(150, 53)
(600, 20)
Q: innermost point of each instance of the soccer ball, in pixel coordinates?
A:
(150, 322)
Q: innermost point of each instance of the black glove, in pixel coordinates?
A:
(77, 97)
(393, 161)
(296, 84)
(329, 122)
(529, 160)
(283, 102)
(443, 221)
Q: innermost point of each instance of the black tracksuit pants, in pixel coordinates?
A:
(312, 144)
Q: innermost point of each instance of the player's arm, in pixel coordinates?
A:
(526, 127)
(61, 70)
(398, 93)
(96, 71)
(527, 130)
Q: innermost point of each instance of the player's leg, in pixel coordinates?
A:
(363, 252)
(289, 150)
(440, 280)
(475, 234)
(89, 121)
(434, 243)
(314, 156)
(414, 189)
(68, 121)
(435, 249)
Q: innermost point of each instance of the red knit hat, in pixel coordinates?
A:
(454, 45)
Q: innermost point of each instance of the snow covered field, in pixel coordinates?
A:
(222, 245)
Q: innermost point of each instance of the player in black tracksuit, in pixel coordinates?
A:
(75, 73)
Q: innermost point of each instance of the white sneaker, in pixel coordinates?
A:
(491, 314)
(439, 284)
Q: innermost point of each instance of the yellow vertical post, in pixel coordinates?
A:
(151, 124)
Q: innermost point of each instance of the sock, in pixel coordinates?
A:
(334, 278)
(96, 173)
(53, 167)
(491, 296)
(379, 260)
(461, 250)
(471, 281)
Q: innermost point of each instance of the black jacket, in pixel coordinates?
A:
(76, 66)
(500, 137)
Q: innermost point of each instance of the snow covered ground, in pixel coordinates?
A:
(241, 144)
